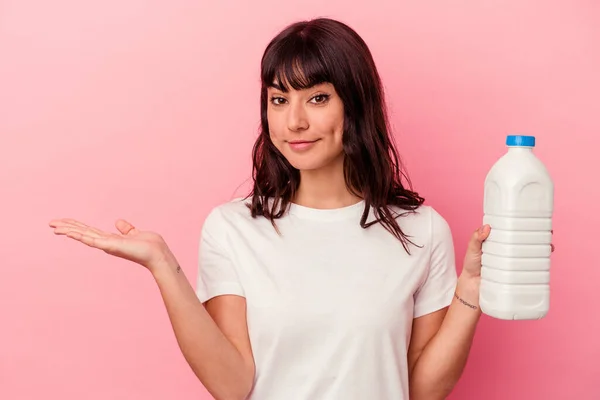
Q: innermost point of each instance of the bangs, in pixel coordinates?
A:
(295, 64)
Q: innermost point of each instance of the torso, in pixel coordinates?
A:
(329, 304)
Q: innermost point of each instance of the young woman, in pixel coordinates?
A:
(331, 280)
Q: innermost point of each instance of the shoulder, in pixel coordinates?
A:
(231, 226)
(425, 222)
(425, 216)
(224, 214)
(234, 207)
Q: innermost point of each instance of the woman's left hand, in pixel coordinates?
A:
(472, 261)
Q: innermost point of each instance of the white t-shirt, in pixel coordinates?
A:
(329, 304)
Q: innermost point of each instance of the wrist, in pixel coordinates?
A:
(469, 280)
(164, 263)
(467, 290)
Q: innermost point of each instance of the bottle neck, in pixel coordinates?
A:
(520, 149)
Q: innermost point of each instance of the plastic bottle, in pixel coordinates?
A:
(518, 205)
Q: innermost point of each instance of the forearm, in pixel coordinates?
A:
(443, 359)
(214, 359)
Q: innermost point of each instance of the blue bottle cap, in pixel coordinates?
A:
(520, 141)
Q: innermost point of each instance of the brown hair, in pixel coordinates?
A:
(324, 50)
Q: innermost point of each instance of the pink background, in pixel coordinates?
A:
(147, 110)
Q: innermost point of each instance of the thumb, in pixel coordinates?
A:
(125, 227)
(478, 238)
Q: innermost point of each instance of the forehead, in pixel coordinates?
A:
(296, 71)
(276, 86)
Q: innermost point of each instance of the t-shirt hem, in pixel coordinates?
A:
(434, 305)
(224, 288)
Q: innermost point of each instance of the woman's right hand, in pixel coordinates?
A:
(145, 248)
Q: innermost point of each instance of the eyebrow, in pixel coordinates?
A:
(277, 86)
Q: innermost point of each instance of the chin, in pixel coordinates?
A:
(312, 163)
(306, 165)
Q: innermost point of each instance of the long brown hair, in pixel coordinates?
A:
(324, 50)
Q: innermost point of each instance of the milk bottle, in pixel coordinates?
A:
(518, 205)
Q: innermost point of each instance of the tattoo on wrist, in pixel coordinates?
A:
(464, 302)
(178, 268)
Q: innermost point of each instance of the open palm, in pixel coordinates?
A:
(131, 244)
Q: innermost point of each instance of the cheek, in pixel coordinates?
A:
(336, 128)
(275, 127)
(336, 123)
(330, 124)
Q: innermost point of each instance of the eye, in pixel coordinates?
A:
(277, 101)
(320, 98)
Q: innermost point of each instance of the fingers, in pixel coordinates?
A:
(67, 229)
(482, 233)
(80, 232)
(91, 236)
(125, 227)
(97, 242)
(111, 243)
(71, 223)
(64, 224)
(66, 221)
(478, 238)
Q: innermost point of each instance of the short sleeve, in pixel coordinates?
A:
(216, 272)
(438, 288)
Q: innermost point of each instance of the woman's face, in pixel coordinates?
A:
(307, 125)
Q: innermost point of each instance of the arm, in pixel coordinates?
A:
(213, 339)
(441, 343)
(441, 340)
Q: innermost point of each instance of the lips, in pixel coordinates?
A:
(301, 141)
(300, 145)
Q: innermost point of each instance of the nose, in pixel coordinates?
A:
(297, 118)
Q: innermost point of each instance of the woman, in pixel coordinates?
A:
(333, 281)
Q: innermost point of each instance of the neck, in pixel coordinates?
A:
(325, 188)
